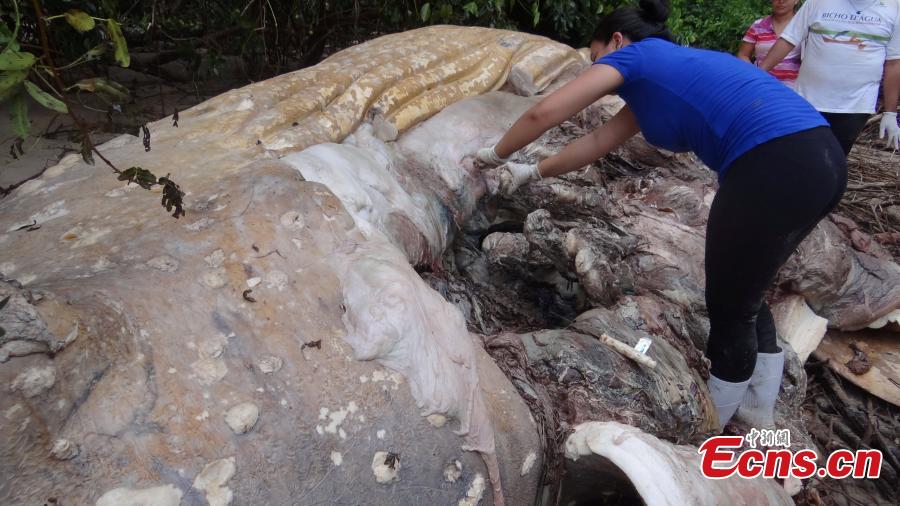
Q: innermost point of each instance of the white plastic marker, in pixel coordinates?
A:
(643, 345)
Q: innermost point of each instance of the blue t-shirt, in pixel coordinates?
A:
(708, 102)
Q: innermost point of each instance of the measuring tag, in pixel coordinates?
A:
(643, 345)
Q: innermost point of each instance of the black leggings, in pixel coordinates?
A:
(769, 200)
(846, 127)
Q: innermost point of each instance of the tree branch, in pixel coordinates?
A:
(48, 61)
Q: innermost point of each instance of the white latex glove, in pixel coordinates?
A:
(488, 157)
(514, 175)
(890, 129)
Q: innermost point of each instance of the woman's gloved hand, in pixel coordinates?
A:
(890, 130)
(488, 157)
(514, 175)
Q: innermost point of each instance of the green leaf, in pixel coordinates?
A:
(96, 51)
(18, 110)
(79, 20)
(9, 82)
(425, 13)
(110, 89)
(45, 99)
(471, 8)
(7, 38)
(5, 34)
(139, 176)
(14, 60)
(536, 13)
(87, 153)
(110, 7)
(115, 33)
(446, 12)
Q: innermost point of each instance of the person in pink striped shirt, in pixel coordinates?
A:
(763, 34)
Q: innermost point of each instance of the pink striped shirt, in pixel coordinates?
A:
(762, 35)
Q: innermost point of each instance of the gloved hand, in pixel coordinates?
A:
(890, 129)
(514, 175)
(488, 157)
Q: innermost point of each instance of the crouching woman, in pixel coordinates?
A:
(780, 169)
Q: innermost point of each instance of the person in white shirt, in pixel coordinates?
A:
(848, 46)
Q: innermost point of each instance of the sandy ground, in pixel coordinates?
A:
(40, 152)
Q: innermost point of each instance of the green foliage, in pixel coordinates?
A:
(115, 34)
(712, 24)
(141, 177)
(172, 195)
(22, 72)
(87, 151)
(18, 110)
(715, 24)
(8, 39)
(18, 70)
(45, 99)
(111, 90)
(16, 60)
(10, 81)
(79, 20)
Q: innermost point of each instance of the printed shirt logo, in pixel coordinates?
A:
(861, 37)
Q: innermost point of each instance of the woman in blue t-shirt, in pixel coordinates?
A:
(780, 169)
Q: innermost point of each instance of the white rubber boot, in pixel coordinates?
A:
(726, 396)
(757, 409)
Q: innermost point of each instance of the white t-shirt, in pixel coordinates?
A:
(844, 52)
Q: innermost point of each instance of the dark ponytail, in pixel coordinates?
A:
(637, 23)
